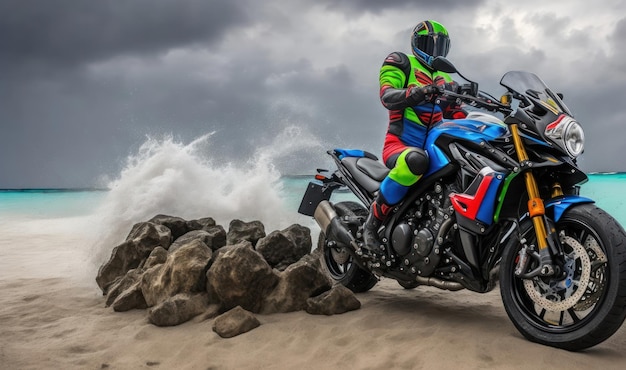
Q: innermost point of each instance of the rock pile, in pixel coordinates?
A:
(180, 269)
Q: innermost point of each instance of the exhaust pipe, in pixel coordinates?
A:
(328, 220)
(441, 284)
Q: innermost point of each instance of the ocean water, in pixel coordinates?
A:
(47, 233)
(607, 190)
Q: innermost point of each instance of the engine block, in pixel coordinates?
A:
(418, 237)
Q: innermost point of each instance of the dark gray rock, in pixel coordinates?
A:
(214, 238)
(239, 276)
(201, 224)
(156, 257)
(283, 248)
(177, 225)
(240, 231)
(188, 238)
(151, 234)
(234, 322)
(183, 272)
(217, 237)
(335, 301)
(121, 284)
(129, 299)
(143, 238)
(178, 309)
(300, 281)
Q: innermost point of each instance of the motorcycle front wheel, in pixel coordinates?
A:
(338, 262)
(586, 302)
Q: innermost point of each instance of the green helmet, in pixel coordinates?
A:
(429, 40)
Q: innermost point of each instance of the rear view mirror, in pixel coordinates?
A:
(444, 65)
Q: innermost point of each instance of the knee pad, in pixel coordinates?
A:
(416, 161)
(409, 166)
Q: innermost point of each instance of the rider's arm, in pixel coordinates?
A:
(393, 76)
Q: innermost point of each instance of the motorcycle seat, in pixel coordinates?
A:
(366, 171)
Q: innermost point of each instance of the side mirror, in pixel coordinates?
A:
(560, 95)
(444, 65)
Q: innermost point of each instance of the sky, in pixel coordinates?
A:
(84, 83)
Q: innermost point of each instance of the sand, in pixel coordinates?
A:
(52, 316)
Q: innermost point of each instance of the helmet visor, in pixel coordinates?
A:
(433, 44)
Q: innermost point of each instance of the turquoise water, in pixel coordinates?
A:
(606, 189)
(49, 203)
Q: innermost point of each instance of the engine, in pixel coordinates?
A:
(418, 238)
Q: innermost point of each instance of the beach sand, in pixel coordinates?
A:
(52, 316)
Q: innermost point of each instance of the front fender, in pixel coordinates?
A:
(561, 204)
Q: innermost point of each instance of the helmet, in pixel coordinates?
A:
(429, 40)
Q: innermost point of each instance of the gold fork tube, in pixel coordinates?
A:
(535, 204)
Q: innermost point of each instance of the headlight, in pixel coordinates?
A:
(568, 134)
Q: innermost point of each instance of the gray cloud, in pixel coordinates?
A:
(74, 31)
(83, 83)
(375, 6)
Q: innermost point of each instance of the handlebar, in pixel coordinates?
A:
(480, 101)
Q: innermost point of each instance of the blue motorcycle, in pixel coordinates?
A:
(499, 203)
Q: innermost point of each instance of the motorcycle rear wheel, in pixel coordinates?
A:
(340, 265)
(585, 307)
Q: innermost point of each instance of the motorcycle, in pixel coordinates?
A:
(500, 203)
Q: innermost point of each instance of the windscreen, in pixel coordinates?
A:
(530, 85)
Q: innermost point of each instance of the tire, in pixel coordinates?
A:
(590, 306)
(408, 284)
(340, 265)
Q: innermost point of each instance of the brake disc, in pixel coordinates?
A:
(340, 255)
(552, 297)
(597, 281)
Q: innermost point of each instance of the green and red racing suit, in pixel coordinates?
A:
(403, 149)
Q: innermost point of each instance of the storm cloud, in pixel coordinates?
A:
(82, 83)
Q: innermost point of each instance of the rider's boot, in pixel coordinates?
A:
(378, 213)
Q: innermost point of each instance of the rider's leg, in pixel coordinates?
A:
(409, 166)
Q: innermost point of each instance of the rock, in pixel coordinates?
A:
(185, 269)
(183, 272)
(234, 322)
(282, 248)
(187, 238)
(121, 284)
(151, 234)
(177, 225)
(239, 231)
(335, 301)
(300, 281)
(301, 237)
(201, 224)
(239, 276)
(217, 237)
(142, 239)
(178, 309)
(156, 257)
(130, 298)
(214, 238)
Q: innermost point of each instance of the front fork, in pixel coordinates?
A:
(536, 211)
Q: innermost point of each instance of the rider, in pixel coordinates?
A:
(408, 88)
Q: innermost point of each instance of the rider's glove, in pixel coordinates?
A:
(419, 95)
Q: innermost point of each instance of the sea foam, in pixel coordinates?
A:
(169, 177)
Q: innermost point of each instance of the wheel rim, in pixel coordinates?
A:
(338, 261)
(565, 304)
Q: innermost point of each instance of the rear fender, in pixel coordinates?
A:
(561, 204)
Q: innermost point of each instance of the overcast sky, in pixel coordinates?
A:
(82, 83)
